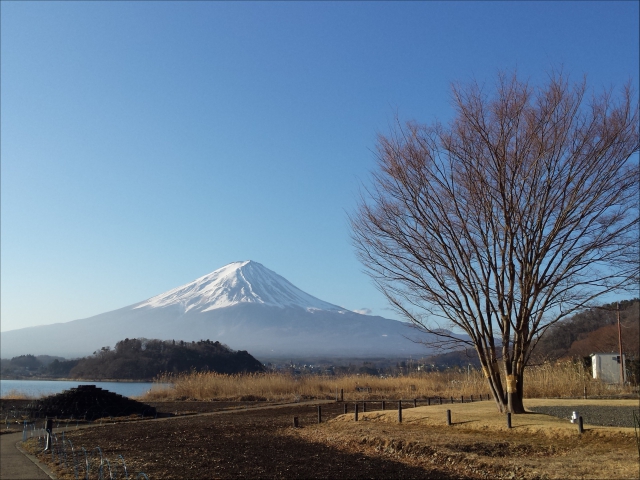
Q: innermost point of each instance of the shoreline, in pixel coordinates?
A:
(62, 379)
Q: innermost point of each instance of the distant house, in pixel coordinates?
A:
(606, 367)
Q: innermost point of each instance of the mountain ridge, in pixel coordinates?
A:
(243, 305)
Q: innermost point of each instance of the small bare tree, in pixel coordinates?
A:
(521, 211)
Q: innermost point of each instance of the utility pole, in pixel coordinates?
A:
(620, 345)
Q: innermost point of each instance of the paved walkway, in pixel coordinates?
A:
(18, 465)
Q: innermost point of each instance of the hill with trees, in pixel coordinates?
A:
(592, 331)
(137, 359)
(29, 365)
(144, 359)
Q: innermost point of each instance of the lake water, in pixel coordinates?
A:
(37, 388)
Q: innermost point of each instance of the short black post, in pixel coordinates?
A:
(415, 402)
(580, 426)
(356, 416)
(440, 398)
(364, 407)
(585, 392)
(383, 404)
(400, 411)
(451, 399)
(448, 417)
(319, 414)
(295, 422)
(342, 394)
(428, 400)
(461, 398)
(508, 419)
(345, 408)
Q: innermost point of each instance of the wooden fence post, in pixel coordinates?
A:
(295, 422)
(400, 411)
(356, 415)
(448, 417)
(383, 404)
(415, 402)
(508, 419)
(580, 426)
(342, 394)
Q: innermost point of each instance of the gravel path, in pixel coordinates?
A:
(594, 414)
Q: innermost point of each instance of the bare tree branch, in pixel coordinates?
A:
(520, 212)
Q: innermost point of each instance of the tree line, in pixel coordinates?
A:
(140, 358)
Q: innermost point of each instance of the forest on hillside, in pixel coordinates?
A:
(140, 358)
(592, 331)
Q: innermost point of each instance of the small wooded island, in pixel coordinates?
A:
(140, 359)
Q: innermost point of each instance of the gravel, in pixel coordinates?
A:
(605, 416)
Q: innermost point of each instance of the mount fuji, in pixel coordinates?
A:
(243, 305)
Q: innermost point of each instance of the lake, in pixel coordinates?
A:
(37, 388)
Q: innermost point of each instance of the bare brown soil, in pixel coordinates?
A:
(249, 444)
(261, 443)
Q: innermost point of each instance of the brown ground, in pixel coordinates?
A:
(262, 443)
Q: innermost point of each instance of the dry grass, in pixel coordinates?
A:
(539, 446)
(560, 380)
(284, 387)
(17, 395)
(565, 380)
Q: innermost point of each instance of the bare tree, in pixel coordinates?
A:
(521, 211)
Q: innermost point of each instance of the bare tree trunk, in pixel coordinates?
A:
(516, 404)
(492, 374)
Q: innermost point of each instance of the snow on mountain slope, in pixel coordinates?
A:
(238, 283)
(243, 305)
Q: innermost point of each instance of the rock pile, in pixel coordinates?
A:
(89, 402)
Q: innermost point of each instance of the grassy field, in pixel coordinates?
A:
(559, 380)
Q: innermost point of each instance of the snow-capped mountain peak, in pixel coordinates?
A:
(235, 283)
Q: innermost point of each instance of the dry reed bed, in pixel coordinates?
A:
(17, 395)
(558, 380)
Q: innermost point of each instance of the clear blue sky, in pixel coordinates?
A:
(145, 144)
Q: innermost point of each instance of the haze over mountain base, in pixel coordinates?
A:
(243, 305)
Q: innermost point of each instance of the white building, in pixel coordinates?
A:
(606, 367)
